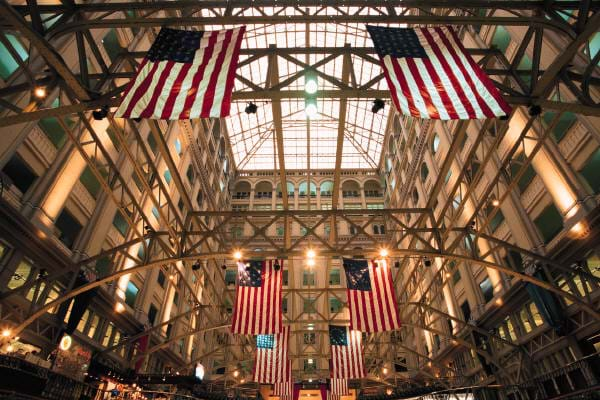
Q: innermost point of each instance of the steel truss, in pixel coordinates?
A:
(580, 76)
(416, 315)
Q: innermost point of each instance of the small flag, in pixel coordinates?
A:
(258, 298)
(431, 75)
(346, 353)
(339, 387)
(186, 74)
(271, 364)
(371, 296)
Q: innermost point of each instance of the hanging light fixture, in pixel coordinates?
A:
(251, 108)
(378, 104)
(310, 108)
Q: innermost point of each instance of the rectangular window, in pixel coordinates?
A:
(19, 173)
(284, 305)
(161, 279)
(90, 182)
(334, 276)
(308, 305)
(8, 65)
(68, 228)
(525, 320)
(230, 276)
(20, 276)
(120, 223)
(501, 39)
(285, 277)
(335, 305)
(590, 171)
(527, 176)
(549, 223)
(466, 310)
(131, 294)
(152, 312)
(487, 289)
(308, 278)
(111, 44)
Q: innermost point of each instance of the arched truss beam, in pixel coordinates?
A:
(432, 253)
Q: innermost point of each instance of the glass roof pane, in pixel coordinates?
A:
(252, 137)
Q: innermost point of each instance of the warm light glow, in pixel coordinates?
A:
(311, 110)
(310, 253)
(199, 371)
(119, 307)
(9, 348)
(309, 380)
(383, 253)
(389, 391)
(578, 229)
(310, 262)
(65, 343)
(39, 92)
(6, 333)
(311, 86)
(237, 255)
(499, 301)
(448, 275)
(311, 327)
(242, 380)
(385, 371)
(495, 202)
(236, 374)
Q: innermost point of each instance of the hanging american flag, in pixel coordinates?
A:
(371, 296)
(271, 364)
(431, 75)
(339, 387)
(258, 298)
(186, 74)
(346, 353)
(285, 390)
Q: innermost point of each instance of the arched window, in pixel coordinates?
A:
(435, 143)
(326, 188)
(415, 196)
(424, 171)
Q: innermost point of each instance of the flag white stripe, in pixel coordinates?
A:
(458, 73)
(417, 98)
(147, 95)
(448, 86)
(215, 110)
(169, 83)
(431, 89)
(484, 93)
(188, 80)
(388, 61)
(141, 77)
(210, 67)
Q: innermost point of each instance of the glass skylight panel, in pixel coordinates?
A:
(252, 136)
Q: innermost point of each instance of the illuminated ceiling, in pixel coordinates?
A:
(252, 136)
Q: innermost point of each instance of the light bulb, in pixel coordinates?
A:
(311, 86)
(237, 255)
(39, 92)
(311, 110)
(119, 307)
(310, 253)
(383, 253)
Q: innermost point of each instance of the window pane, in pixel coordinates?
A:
(131, 294)
(549, 223)
(590, 172)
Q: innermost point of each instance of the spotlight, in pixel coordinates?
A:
(426, 262)
(310, 108)
(310, 253)
(119, 308)
(495, 202)
(499, 301)
(277, 266)
(310, 84)
(236, 373)
(237, 255)
(196, 266)
(378, 104)
(385, 371)
(310, 262)
(65, 343)
(39, 92)
(101, 113)
(389, 391)
(6, 333)
(251, 108)
(383, 253)
(534, 110)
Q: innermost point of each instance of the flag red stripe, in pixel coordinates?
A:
(158, 90)
(431, 108)
(448, 105)
(448, 71)
(210, 90)
(483, 78)
(192, 92)
(170, 103)
(412, 108)
(452, 51)
(226, 107)
(139, 92)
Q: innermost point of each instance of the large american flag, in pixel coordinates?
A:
(258, 298)
(339, 387)
(346, 353)
(371, 296)
(271, 364)
(431, 75)
(186, 74)
(285, 390)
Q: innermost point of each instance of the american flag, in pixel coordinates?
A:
(258, 298)
(271, 364)
(339, 387)
(431, 75)
(186, 74)
(346, 353)
(285, 390)
(371, 296)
